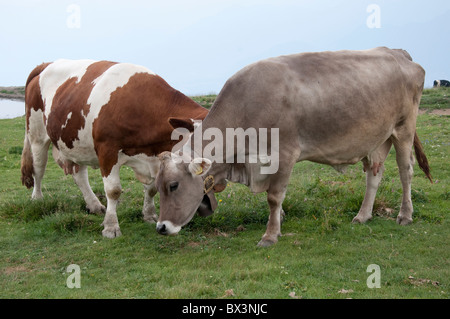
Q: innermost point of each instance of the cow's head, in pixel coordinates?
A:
(184, 187)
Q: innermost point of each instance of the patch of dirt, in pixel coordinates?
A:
(436, 112)
(382, 210)
(15, 269)
(422, 281)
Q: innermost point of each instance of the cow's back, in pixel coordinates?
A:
(334, 106)
(92, 105)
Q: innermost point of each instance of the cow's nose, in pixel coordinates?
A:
(161, 228)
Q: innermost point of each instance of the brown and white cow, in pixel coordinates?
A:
(100, 114)
(334, 108)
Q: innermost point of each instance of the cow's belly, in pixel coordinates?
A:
(345, 149)
(82, 157)
(82, 152)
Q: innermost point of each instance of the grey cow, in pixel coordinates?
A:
(334, 108)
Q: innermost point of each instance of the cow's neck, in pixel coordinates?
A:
(223, 172)
(234, 172)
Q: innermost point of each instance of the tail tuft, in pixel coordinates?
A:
(26, 166)
(421, 157)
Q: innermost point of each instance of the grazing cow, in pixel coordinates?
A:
(100, 114)
(334, 108)
(441, 83)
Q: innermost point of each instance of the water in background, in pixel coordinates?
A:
(11, 108)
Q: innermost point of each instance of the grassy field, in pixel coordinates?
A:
(321, 254)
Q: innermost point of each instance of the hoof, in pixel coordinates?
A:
(360, 219)
(151, 219)
(266, 241)
(402, 220)
(97, 210)
(111, 232)
(37, 196)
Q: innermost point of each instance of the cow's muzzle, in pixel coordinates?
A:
(161, 229)
(167, 228)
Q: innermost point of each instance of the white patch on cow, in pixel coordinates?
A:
(56, 74)
(36, 124)
(171, 229)
(67, 120)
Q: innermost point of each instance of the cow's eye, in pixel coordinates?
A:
(173, 186)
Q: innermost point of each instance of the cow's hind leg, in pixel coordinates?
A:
(374, 168)
(80, 176)
(113, 190)
(93, 204)
(39, 149)
(405, 161)
(149, 210)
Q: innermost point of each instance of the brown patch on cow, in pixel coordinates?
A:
(114, 193)
(107, 153)
(184, 123)
(127, 122)
(33, 99)
(26, 165)
(71, 98)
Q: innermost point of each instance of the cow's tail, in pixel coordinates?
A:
(421, 158)
(26, 165)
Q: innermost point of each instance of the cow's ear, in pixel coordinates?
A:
(182, 122)
(208, 205)
(199, 166)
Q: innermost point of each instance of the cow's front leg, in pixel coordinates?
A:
(113, 190)
(273, 231)
(149, 210)
(373, 179)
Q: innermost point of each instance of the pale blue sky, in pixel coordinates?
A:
(197, 45)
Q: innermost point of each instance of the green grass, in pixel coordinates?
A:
(435, 98)
(205, 100)
(7, 92)
(320, 254)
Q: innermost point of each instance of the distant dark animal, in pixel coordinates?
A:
(441, 83)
